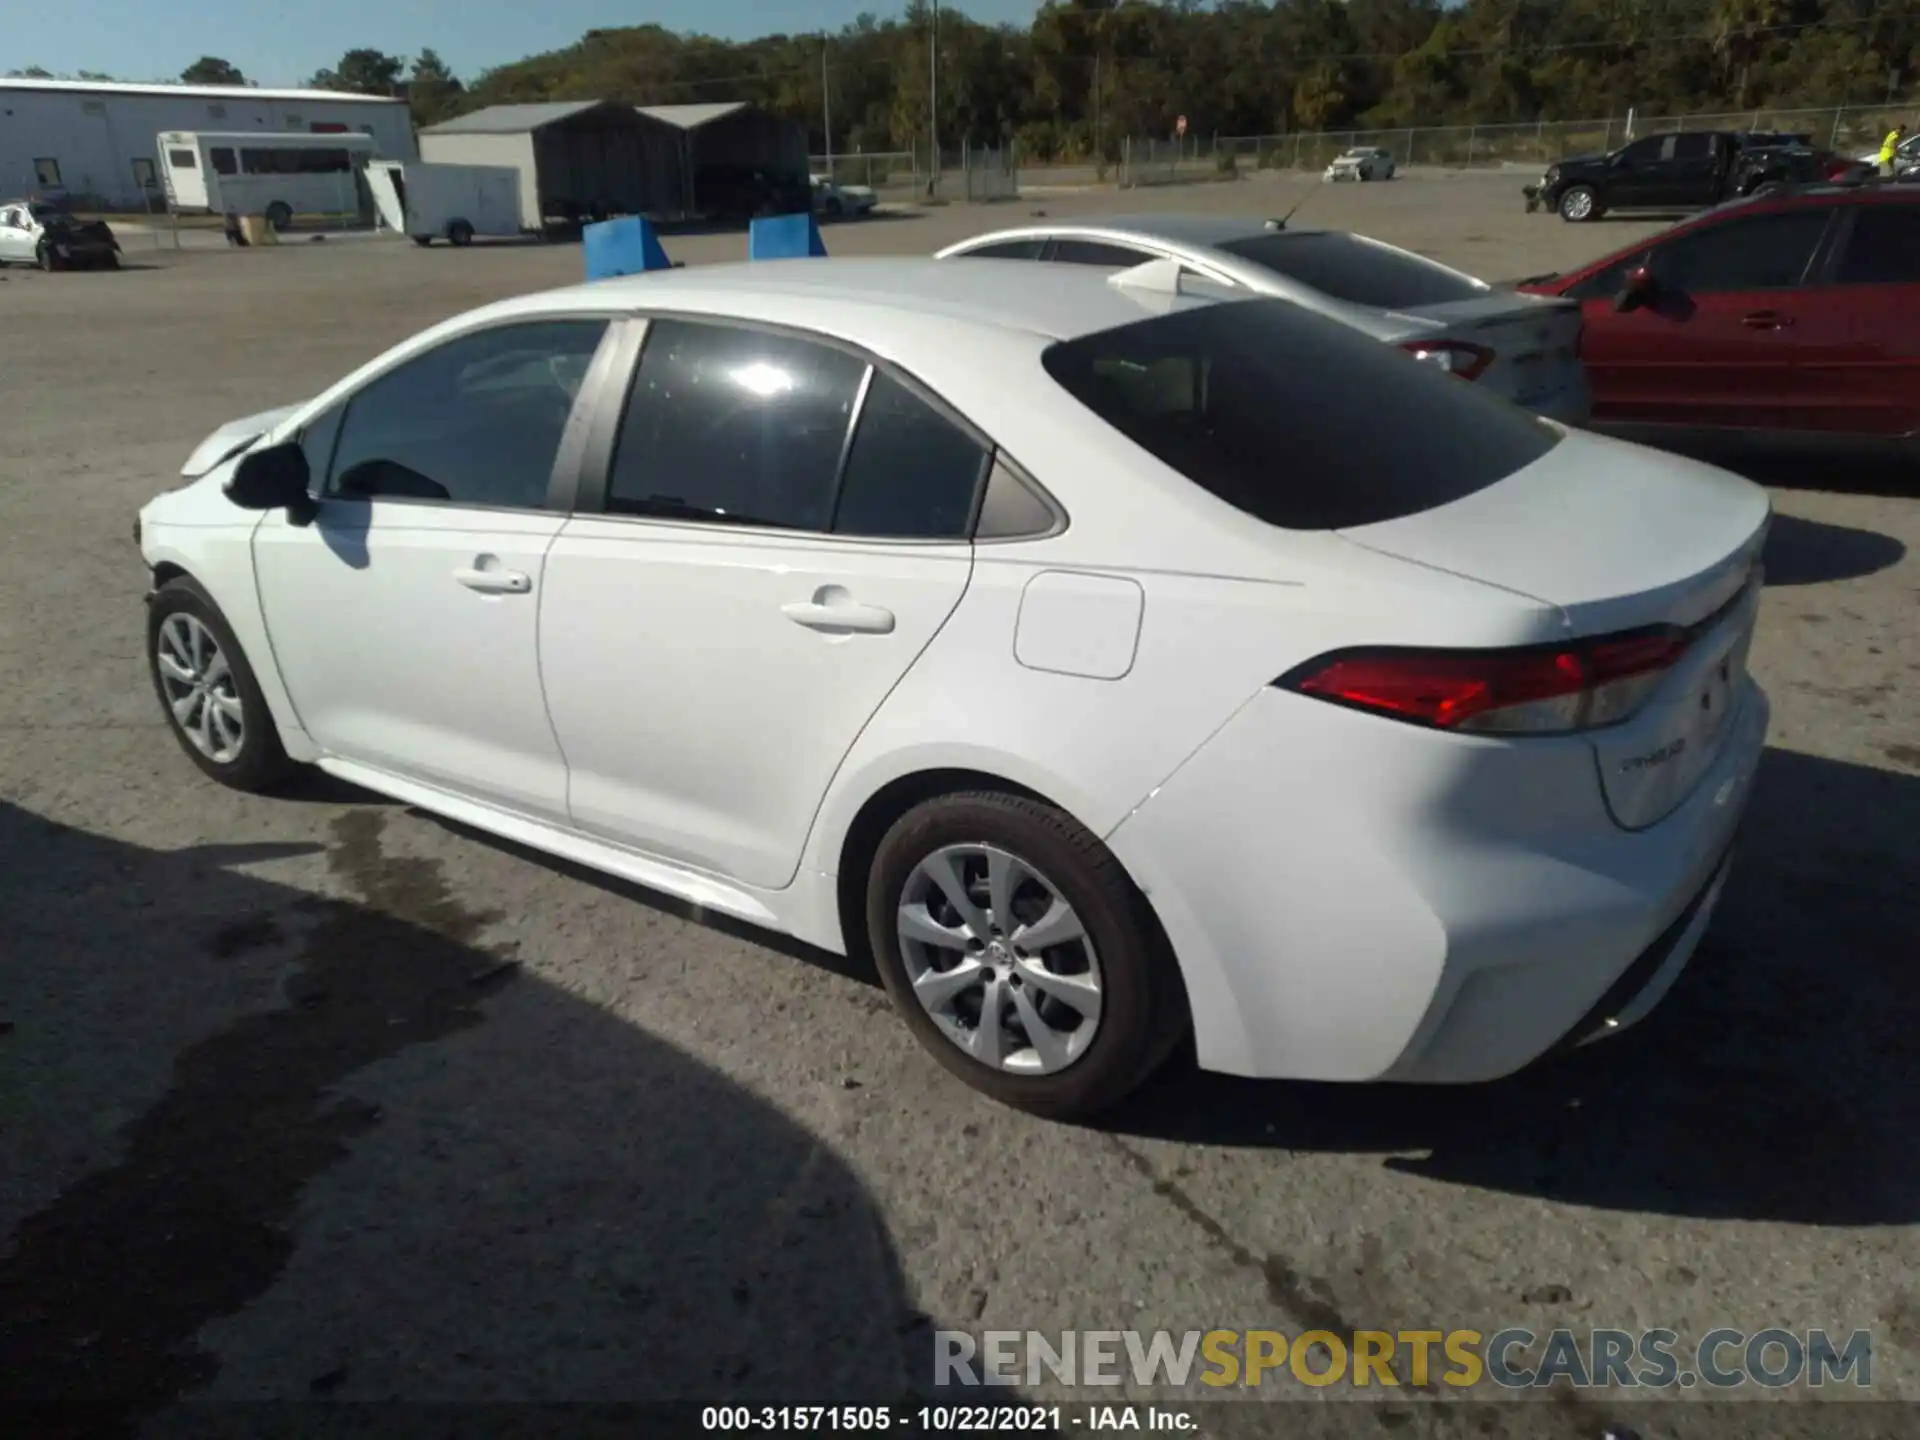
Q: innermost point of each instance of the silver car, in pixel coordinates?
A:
(1524, 347)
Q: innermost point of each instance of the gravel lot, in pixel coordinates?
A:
(278, 1119)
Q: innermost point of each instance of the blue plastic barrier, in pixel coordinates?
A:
(626, 246)
(784, 237)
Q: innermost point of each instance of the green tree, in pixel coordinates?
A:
(212, 70)
(362, 72)
(433, 91)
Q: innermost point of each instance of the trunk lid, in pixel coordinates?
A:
(1617, 538)
(1535, 340)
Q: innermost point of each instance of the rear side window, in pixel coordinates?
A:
(1097, 252)
(223, 161)
(1279, 412)
(912, 473)
(1884, 248)
(1355, 270)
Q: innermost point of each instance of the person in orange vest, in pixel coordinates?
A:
(1890, 149)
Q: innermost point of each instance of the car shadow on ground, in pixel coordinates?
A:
(1775, 1082)
(1811, 552)
(399, 1167)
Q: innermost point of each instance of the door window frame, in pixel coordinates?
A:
(593, 473)
(1820, 260)
(563, 480)
(1839, 238)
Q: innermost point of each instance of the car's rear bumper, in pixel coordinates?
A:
(1351, 898)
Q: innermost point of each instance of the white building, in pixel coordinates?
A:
(94, 140)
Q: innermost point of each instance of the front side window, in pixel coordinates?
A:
(223, 160)
(1357, 271)
(1606, 282)
(1276, 410)
(1645, 152)
(734, 426)
(1759, 252)
(1008, 250)
(475, 421)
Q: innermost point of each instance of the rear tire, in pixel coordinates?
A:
(279, 215)
(47, 260)
(1118, 961)
(193, 656)
(460, 234)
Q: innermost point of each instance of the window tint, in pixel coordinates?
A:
(223, 161)
(1760, 252)
(1694, 145)
(1007, 250)
(734, 425)
(1097, 252)
(1278, 412)
(1884, 248)
(1642, 152)
(1605, 283)
(911, 472)
(1357, 271)
(181, 160)
(476, 421)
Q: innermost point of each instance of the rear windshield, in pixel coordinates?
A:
(1295, 419)
(1348, 268)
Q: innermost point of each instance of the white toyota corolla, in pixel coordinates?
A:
(1109, 659)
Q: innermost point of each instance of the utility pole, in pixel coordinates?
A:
(933, 99)
(826, 104)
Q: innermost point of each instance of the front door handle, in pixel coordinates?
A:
(1766, 320)
(495, 582)
(835, 612)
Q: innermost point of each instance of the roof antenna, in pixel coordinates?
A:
(1281, 223)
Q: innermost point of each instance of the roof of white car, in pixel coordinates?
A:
(1174, 229)
(1057, 303)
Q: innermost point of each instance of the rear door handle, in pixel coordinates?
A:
(834, 611)
(1766, 320)
(495, 582)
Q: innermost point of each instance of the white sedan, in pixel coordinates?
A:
(1080, 647)
(1364, 163)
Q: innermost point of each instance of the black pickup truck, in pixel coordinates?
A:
(1680, 170)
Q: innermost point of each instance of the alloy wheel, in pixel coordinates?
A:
(1579, 205)
(999, 959)
(202, 693)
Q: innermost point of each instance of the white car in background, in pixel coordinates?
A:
(1364, 163)
(837, 201)
(1085, 649)
(1523, 347)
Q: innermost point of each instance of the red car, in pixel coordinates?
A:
(1788, 315)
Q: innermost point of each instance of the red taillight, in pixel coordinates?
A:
(1532, 691)
(1456, 357)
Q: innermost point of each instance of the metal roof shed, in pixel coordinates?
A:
(574, 157)
(741, 159)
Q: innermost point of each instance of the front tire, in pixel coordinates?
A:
(46, 259)
(459, 234)
(279, 215)
(208, 691)
(1021, 954)
(1578, 205)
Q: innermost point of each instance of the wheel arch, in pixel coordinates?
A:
(855, 848)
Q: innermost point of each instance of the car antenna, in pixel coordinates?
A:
(1281, 223)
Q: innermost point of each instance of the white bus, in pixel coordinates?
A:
(278, 176)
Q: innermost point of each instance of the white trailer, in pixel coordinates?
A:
(456, 202)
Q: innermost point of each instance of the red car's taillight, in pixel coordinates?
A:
(1539, 691)
(1456, 357)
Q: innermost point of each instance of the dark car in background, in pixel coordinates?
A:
(1786, 316)
(1680, 170)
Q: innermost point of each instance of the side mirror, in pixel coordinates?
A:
(1638, 289)
(275, 478)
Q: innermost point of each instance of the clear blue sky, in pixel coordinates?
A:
(282, 44)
